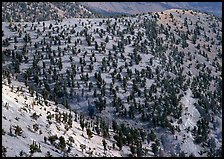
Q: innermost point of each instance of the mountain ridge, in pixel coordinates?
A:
(144, 7)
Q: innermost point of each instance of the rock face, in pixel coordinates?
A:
(144, 7)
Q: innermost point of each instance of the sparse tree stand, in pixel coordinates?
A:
(52, 82)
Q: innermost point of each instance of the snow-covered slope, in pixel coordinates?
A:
(158, 75)
(18, 111)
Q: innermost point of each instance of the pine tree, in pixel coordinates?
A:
(52, 138)
(104, 144)
(4, 150)
(139, 150)
(62, 143)
(133, 149)
(107, 39)
(45, 139)
(96, 45)
(89, 133)
(82, 124)
(114, 125)
(120, 143)
(18, 130)
(154, 149)
(82, 146)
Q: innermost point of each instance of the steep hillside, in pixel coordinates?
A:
(32, 126)
(151, 83)
(42, 11)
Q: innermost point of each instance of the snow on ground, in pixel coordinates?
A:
(191, 119)
(25, 122)
(190, 115)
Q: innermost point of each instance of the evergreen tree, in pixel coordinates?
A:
(120, 143)
(104, 144)
(82, 124)
(4, 150)
(154, 149)
(89, 133)
(62, 143)
(139, 150)
(18, 130)
(114, 125)
(133, 149)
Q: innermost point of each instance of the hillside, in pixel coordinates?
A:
(43, 11)
(26, 122)
(150, 83)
